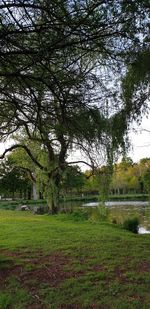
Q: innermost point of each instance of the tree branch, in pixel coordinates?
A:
(83, 162)
(26, 149)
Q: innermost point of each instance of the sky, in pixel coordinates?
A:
(140, 141)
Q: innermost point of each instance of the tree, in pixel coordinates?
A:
(22, 162)
(73, 180)
(57, 62)
(144, 167)
(125, 177)
(13, 181)
(103, 179)
(136, 84)
(146, 181)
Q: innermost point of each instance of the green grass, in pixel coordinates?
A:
(129, 197)
(60, 262)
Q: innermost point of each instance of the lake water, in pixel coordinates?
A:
(119, 211)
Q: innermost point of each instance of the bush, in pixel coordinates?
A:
(131, 224)
(103, 212)
(80, 215)
(99, 214)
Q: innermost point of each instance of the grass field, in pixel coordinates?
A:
(57, 262)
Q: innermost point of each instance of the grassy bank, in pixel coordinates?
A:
(55, 262)
(120, 197)
(129, 197)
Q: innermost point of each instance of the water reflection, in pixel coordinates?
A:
(119, 211)
(142, 230)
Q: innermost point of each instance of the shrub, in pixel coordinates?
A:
(103, 212)
(114, 221)
(131, 224)
(99, 214)
(80, 215)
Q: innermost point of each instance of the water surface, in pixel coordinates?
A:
(119, 211)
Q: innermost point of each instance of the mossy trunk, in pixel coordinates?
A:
(52, 194)
(34, 191)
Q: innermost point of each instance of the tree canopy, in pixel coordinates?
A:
(61, 65)
(14, 182)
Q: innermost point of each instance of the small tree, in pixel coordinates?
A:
(103, 179)
(146, 181)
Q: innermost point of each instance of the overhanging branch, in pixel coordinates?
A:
(83, 162)
(26, 149)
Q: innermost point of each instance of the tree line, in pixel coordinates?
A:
(23, 180)
(127, 178)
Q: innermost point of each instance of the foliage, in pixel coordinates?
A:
(79, 215)
(127, 181)
(136, 83)
(128, 177)
(103, 178)
(13, 180)
(124, 178)
(57, 61)
(131, 224)
(103, 211)
(99, 214)
(146, 181)
(73, 180)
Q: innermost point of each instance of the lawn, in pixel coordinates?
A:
(57, 262)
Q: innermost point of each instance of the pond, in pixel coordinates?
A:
(119, 211)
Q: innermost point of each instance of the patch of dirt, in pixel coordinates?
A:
(76, 306)
(35, 270)
(99, 268)
(5, 273)
(72, 306)
(38, 269)
(36, 306)
(46, 269)
(51, 272)
(8, 253)
(144, 267)
(120, 274)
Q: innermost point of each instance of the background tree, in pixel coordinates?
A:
(144, 167)
(23, 163)
(146, 181)
(125, 177)
(14, 181)
(73, 181)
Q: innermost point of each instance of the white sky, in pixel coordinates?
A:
(140, 141)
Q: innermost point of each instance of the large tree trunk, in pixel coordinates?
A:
(53, 194)
(35, 195)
